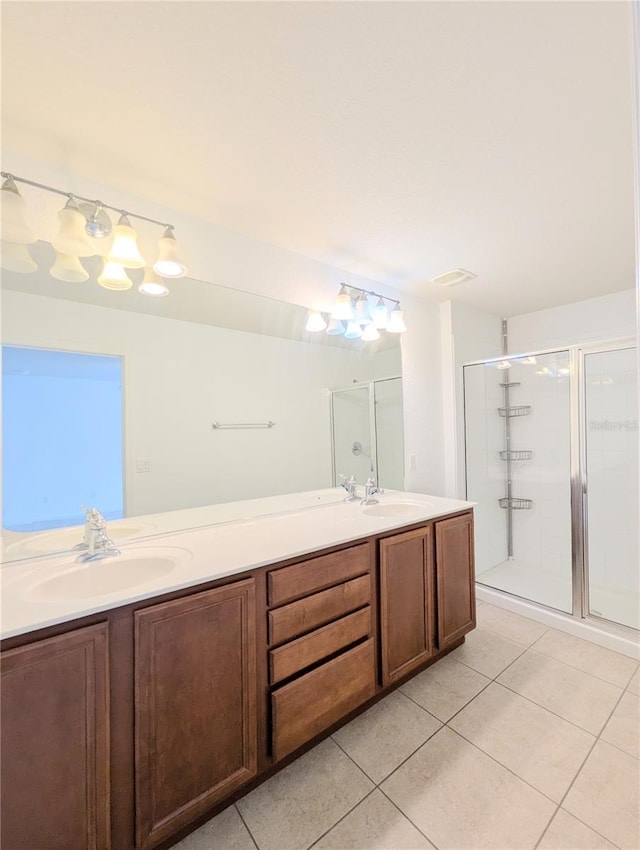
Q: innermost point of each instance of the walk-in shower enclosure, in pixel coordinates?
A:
(551, 444)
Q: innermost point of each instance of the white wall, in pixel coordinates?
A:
(608, 317)
(224, 257)
(180, 377)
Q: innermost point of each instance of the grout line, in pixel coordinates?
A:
(246, 826)
(406, 816)
(333, 826)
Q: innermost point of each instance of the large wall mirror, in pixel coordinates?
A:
(140, 406)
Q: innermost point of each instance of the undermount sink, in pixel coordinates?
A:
(109, 575)
(390, 510)
(62, 539)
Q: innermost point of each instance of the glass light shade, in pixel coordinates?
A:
(124, 250)
(153, 284)
(353, 331)
(67, 267)
(396, 322)
(114, 277)
(343, 308)
(15, 257)
(363, 315)
(315, 321)
(72, 236)
(169, 263)
(380, 315)
(15, 227)
(370, 333)
(335, 327)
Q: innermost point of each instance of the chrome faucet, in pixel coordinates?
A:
(96, 540)
(371, 489)
(350, 486)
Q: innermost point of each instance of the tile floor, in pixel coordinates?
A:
(523, 738)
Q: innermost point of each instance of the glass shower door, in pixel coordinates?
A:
(352, 453)
(611, 466)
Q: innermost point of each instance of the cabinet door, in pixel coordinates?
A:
(455, 578)
(196, 725)
(406, 601)
(55, 743)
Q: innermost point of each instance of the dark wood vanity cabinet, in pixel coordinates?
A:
(55, 743)
(407, 605)
(195, 706)
(122, 730)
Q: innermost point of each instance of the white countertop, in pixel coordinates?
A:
(293, 528)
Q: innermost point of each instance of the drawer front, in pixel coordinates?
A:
(316, 574)
(307, 614)
(309, 705)
(307, 650)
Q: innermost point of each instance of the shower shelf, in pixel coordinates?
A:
(521, 410)
(516, 504)
(516, 455)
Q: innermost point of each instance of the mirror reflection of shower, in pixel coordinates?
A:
(366, 423)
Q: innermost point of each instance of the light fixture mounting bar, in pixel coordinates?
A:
(9, 176)
(371, 292)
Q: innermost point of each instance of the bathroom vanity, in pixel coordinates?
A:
(129, 719)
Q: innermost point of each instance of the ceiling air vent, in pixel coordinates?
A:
(453, 278)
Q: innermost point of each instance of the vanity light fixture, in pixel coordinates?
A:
(396, 321)
(362, 313)
(370, 333)
(15, 227)
(353, 331)
(315, 321)
(153, 284)
(380, 314)
(124, 250)
(72, 237)
(114, 277)
(77, 222)
(335, 327)
(343, 308)
(68, 268)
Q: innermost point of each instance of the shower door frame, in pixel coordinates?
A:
(577, 470)
(373, 427)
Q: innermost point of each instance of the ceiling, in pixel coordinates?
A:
(395, 140)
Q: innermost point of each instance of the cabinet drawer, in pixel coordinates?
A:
(316, 574)
(295, 619)
(312, 703)
(307, 650)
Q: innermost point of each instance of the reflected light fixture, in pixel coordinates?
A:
(169, 263)
(315, 321)
(396, 321)
(114, 277)
(335, 327)
(124, 250)
(72, 237)
(68, 267)
(370, 333)
(15, 227)
(15, 257)
(343, 308)
(353, 331)
(153, 284)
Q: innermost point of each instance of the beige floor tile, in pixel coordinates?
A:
(487, 653)
(541, 748)
(445, 688)
(225, 830)
(463, 800)
(596, 660)
(623, 729)
(606, 796)
(509, 625)
(574, 695)
(567, 833)
(375, 824)
(296, 806)
(385, 735)
(634, 684)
